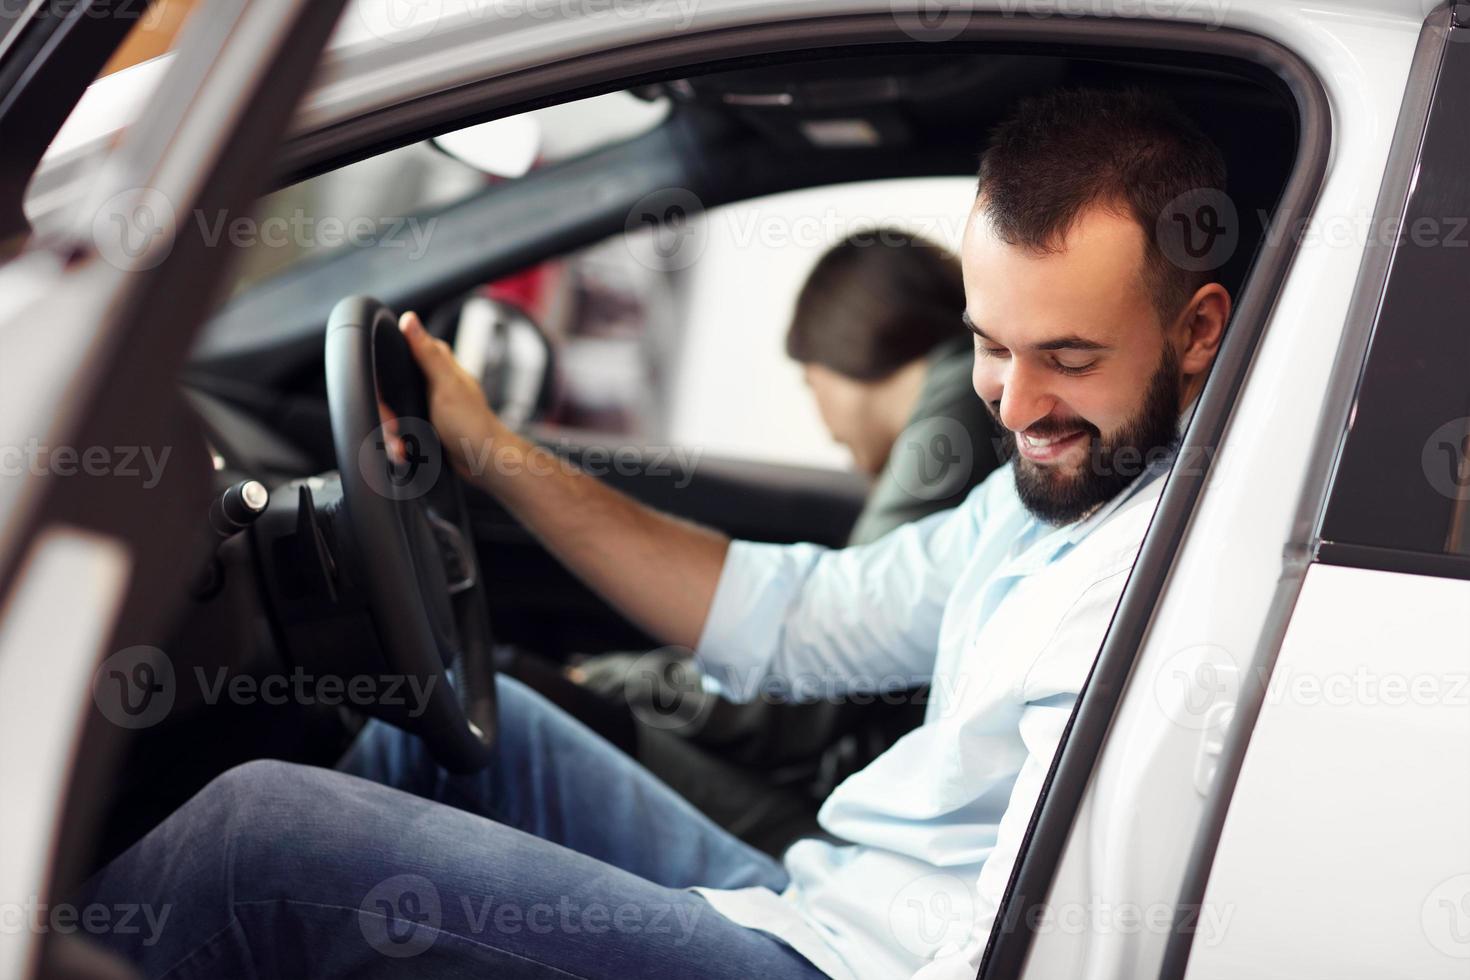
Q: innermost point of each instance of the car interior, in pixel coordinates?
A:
(260, 381)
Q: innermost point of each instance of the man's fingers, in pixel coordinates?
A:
(430, 353)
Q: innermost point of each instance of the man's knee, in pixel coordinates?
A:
(260, 781)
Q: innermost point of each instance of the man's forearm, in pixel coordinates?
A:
(661, 572)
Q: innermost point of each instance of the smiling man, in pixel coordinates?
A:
(1091, 347)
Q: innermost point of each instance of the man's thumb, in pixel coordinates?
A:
(425, 349)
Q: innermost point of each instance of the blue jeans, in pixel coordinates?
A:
(564, 859)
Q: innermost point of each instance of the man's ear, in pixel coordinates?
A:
(1200, 328)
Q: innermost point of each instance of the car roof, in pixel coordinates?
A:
(373, 63)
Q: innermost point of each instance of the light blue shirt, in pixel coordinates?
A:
(1003, 615)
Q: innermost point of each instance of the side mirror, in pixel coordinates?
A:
(502, 148)
(502, 346)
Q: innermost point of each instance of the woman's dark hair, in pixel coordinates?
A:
(877, 301)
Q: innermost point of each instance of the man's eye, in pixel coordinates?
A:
(1075, 368)
(992, 351)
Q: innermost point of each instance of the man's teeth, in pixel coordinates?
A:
(1039, 443)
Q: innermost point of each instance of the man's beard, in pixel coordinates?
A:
(1112, 464)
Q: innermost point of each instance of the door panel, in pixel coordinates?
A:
(1346, 852)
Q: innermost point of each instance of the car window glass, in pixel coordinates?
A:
(681, 341)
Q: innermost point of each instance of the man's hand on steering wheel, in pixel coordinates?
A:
(467, 427)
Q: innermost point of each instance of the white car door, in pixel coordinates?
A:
(1345, 851)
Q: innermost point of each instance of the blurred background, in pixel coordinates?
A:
(650, 348)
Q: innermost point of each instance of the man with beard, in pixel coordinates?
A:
(1090, 348)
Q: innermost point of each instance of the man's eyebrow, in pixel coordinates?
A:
(1069, 342)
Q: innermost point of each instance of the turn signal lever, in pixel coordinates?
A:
(231, 512)
(238, 507)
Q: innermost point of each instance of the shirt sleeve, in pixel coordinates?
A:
(805, 622)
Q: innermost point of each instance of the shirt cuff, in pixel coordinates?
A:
(742, 632)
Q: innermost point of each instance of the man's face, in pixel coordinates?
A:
(1072, 361)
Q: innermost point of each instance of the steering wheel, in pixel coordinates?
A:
(409, 538)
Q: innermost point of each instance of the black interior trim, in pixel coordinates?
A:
(1393, 560)
(1399, 482)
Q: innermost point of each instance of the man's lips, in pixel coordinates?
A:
(1045, 450)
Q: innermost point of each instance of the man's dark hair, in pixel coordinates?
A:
(1066, 151)
(877, 301)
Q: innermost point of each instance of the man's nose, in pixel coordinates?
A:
(1025, 398)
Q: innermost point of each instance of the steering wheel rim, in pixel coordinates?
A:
(427, 626)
